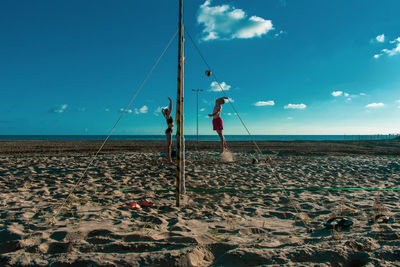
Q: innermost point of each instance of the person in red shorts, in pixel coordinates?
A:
(217, 121)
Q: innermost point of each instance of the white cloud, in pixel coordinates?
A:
(230, 100)
(202, 109)
(264, 103)
(276, 35)
(214, 87)
(395, 40)
(290, 118)
(390, 52)
(226, 22)
(341, 93)
(127, 111)
(229, 114)
(142, 110)
(363, 94)
(337, 93)
(107, 110)
(61, 108)
(374, 105)
(295, 106)
(380, 38)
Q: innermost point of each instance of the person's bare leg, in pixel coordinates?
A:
(169, 143)
(223, 143)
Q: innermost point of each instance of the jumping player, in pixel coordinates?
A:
(217, 121)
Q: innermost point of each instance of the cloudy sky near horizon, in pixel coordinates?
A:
(288, 66)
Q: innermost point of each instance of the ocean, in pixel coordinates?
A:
(201, 137)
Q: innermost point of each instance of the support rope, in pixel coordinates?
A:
(115, 125)
(244, 125)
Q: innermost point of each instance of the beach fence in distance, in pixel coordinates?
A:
(373, 137)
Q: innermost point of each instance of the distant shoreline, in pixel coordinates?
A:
(86, 148)
(212, 137)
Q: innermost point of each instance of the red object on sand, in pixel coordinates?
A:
(147, 203)
(134, 206)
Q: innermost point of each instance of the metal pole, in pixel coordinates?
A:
(197, 111)
(180, 142)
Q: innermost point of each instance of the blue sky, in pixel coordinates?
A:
(291, 67)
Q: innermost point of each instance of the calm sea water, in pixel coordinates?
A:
(201, 137)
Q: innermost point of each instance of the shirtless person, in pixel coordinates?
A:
(217, 121)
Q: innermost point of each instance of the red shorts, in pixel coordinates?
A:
(217, 124)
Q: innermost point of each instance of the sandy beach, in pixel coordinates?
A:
(234, 213)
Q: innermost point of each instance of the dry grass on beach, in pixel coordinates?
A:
(233, 214)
